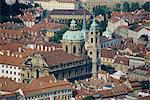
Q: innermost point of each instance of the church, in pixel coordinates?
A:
(78, 59)
(82, 43)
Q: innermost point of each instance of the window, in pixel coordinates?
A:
(2, 71)
(14, 73)
(74, 49)
(2, 65)
(96, 39)
(66, 49)
(91, 40)
(81, 48)
(90, 53)
(7, 71)
(28, 75)
(15, 79)
(10, 72)
(10, 67)
(18, 79)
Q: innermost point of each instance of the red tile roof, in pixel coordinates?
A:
(9, 60)
(60, 57)
(122, 60)
(9, 85)
(108, 53)
(37, 86)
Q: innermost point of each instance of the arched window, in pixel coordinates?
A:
(28, 74)
(91, 40)
(74, 49)
(66, 48)
(37, 73)
(81, 48)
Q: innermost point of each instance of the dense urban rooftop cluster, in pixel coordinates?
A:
(74, 50)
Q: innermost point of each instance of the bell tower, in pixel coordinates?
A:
(93, 47)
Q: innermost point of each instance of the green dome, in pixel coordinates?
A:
(73, 35)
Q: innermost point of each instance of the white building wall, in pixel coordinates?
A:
(10, 71)
(57, 5)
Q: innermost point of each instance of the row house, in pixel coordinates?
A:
(108, 56)
(41, 88)
(64, 15)
(10, 67)
(110, 42)
(58, 4)
(141, 73)
(133, 17)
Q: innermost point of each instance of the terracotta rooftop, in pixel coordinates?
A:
(9, 60)
(27, 17)
(10, 46)
(60, 57)
(38, 86)
(122, 60)
(47, 79)
(108, 53)
(9, 85)
(12, 32)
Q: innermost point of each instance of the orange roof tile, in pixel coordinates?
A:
(9, 60)
(9, 85)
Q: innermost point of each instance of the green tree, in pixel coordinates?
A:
(58, 35)
(134, 6)
(146, 6)
(117, 7)
(101, 10)
(126, 6)
(36, 5)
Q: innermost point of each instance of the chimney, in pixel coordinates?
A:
(65, 79)
(20, 56)
(1, 53)
(16, 55)
(19, 49)
(8, 52)
(41, 47)
(53, 48)
(45, 48)
(38, 47)
(55, 81)
(12, 54)
(49, 48)
(50, 81)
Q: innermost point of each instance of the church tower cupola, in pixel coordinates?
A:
(93, 48)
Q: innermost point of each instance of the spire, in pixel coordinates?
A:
(94, 25)
(84, 26)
